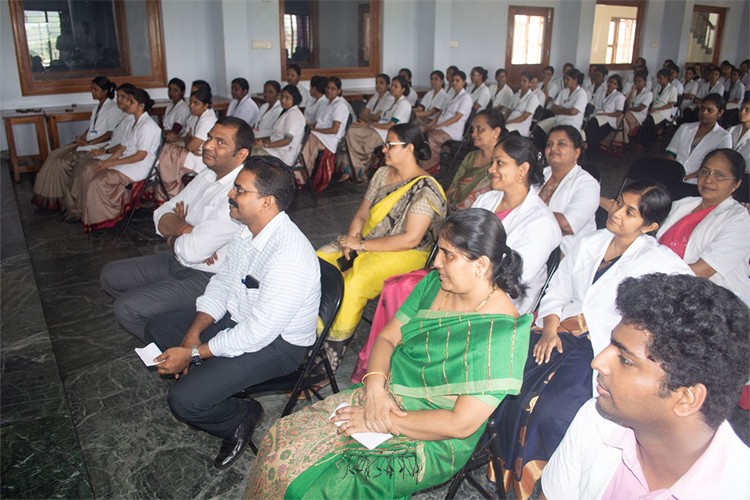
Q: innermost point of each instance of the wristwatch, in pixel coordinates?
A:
(195, 356)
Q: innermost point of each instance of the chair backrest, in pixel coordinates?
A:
(593, 170)
(652, 168)
(331, 294)
(299, 162)
(467, 126)
(537, 115)
(553, 261)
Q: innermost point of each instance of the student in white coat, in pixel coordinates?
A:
(480, 93)
(286, 136)
(577, 315)
(502, 94)
(521, 110)
(693, 141)
(293, 74)
(242, 105)
(177, 112)
(269, 111)
(362, 139)
(710, 232)
(608, 107)
(434, 101)
(406, 73)
(568, 109)
(380, 102)
(740, 134)
(665, 97)
(330, 126)
(317, 99)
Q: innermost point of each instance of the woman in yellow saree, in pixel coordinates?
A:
(441, 366)
(392, 232)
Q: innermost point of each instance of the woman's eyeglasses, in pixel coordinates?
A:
(389, 145)
(718, 176)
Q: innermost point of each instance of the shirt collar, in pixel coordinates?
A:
(260, 240)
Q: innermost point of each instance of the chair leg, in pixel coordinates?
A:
(499, 482)
(329, 374)
(455, 484)
(253, 447)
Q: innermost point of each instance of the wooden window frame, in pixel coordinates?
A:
(80, 80)
(639, 20)
(514, 70)
(351, 72)
(722, 11)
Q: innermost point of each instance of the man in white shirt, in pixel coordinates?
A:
(255, 320)
(197, 226)
(667, 382)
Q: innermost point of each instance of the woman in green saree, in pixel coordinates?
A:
(437, 371)
(392, 232)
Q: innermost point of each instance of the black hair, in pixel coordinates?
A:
(482, 72)
(461, 74)
(203, 94)
(384, 77)
(716, 99)
(404, 83)
(411, 134)
(336, 81)
(438, 73)
(495, 119)
(201, 83)
(528, 74)
(177, 83)
(476, 233)
(569, 64)
(573, 134)
(698, 334)
(105, 83)
(600, 68)
(294, 67)
(523, 150)
(273, 83)
(654, 203)
(617, 78)
(405, 70)
(551, 68)
(273, 178)
(141, 97)
(293, 91)
(243, 133)
(125, 85)
(641, 73)
(575, 75)
(746, 61)
(319, 83)
(663, 72)
(667, 63)
(242, 83)
(736, 160)
(642, 60)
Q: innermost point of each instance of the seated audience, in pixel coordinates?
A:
(689, 93)
(666, 384)
(177, 112)
(255, 319)
(197, 226)
(51, 184)
(380, 102)
(501, 93)
(665, 97)
(570, 192)
(448, 125)
(472, 177)
(607, 109)
(183, 153)
(674, 79)
(568, 108)
(692, 141)
(637, 103)
(434, 101)
(329, 127)
(535, 86)
(362, 139)
(287, 133)
(107, 197)
(710, 232)
(576, 317)
(293, 74)
(734, 95)
(242, 105)
(392, 232)
(420, 387)
(741, 135)
(269, 111)
(598, 88)
(450, 92)
(520, 111)
(480, 93)
(405, 73)
(549, 86)
(317, 100)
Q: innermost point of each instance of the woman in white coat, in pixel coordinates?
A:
(607, 110)
(242, 105)
(693, 141)
(578, 314)
(519, 114)
(380, 102)
(568, 108)
(480, 93)
(710, 232)
(434, 101)
(330, 126)
(269, 111)
(741, 135)
(177, 112)
(287, 133)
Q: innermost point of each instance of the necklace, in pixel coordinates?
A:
(442, 302)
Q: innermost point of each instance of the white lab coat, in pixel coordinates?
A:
(104, 121)
(461, 103)
(721, 240)
(267, 116)
(291, 124)
(176, 113)
(502, 98)
(246, 110)
(683, 139)
(332, 111)
(520, 105)
(533, 232)
(741, 144)
(145, 136)
(481, 96)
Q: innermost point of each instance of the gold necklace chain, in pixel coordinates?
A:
(442, 302)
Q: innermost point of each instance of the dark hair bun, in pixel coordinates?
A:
(424, 153)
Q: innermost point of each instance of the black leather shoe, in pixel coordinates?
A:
(233, 447)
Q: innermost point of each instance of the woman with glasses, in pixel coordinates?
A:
(392, 232)
(710, 232)
(692, 141)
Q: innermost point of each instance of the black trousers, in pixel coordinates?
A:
(203, 397)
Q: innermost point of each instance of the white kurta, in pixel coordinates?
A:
(246, 109)
(145, 136)
(691, 159)
(721, 240)
(741, 144)
(502, 98)
(461, 103)
(520, 105)
(176, 113)
(290, 125)
(577, 198)
(267, 116)
(533, 232)
(105, 120)
(199, 127)
(481, 96)
(572, 291)
(332, 111)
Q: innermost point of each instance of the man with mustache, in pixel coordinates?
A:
(666, 384)
(256, 318)
(197, 226)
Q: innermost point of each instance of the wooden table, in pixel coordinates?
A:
(12, 117)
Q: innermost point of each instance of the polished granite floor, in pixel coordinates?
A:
(80, 415)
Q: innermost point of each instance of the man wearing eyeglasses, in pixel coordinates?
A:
(255, 320)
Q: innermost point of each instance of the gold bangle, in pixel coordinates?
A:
(362, 245)
(372, 373)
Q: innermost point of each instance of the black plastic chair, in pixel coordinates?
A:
(663, 170)
(553, 262)
(300, 381)
(152, 179)
(742, 194)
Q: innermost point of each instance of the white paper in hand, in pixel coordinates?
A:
(370, 440)
(148, 354)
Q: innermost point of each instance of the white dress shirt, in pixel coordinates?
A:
(205, 199)
(286, 302)
(246, 109)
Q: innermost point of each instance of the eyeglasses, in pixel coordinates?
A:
(478, 130)
(718, 176)
(389, 145)
(240, 190)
